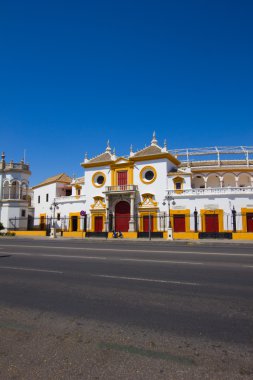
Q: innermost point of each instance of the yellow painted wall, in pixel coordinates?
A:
(185, 235)
(218, 212)
(93, 216)
(124, 167)
(70, 221)
(147, 213)
(243, 236)
(30, 233)
(244, 212)
(126, 235)
(185, 212)
(74, 234)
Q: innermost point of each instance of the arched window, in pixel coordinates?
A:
(229, 180)
(14, 190)
(213, 181)
(24, 192)
(6, 194)
(198, 182)
(244, 180)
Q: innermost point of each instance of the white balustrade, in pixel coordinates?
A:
(212, 191)
(70, 198)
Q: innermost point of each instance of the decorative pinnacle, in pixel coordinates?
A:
(86, 156)
(154, 140)
(114, 151)
(108, 148)
(3, 156)
(165, 143)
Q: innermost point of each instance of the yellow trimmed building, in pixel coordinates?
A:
(190, 194)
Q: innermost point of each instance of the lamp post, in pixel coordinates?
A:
(54, 206)
(234, 218)
(168, 199)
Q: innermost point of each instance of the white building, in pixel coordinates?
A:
(14, 200)
(197, 192)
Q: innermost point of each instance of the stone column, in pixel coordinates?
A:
(131, 222)
(20, 188)
(205, 180)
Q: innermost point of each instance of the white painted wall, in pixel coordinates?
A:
(159, 186)
(223, 202)
(91, 191)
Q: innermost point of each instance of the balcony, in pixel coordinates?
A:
(212, 191)
(70, 199)
(121, 189)
(14, 166)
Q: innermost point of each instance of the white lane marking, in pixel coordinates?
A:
(164, 261)
(31, 269)
(17, 253)
(133, 260)
(147, 279)
(107, 258)
(118, 250)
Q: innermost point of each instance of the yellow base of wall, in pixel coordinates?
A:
(182, 235)
(74, 234)
(186, 235)
(243, 236)
(30, 233)
(126, 235)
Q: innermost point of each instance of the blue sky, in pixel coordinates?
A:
(76, 73)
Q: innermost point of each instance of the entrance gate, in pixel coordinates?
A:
(98, 223)
(146, 223)
(212, 223)
(179, 223)
(74, 223)
(249, 222)
(122, 216)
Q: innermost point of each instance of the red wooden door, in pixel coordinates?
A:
(146, 223)
(212, 223)
(249, 222)
(179, 223)
(98, 223)
(122, 216)
(122, 179)
(42, 223)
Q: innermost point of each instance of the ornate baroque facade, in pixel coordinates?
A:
(196, 192)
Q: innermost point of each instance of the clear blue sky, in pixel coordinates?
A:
(75, 73)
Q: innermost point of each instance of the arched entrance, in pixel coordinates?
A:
(122, 216)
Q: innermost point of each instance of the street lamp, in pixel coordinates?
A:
(168, 199)
(54, 206)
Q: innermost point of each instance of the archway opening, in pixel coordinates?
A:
(122, 216)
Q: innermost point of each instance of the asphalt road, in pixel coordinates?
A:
(125, 310)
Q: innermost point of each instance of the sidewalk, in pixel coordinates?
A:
(138, 241)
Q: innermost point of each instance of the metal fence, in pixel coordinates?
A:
(146, 223)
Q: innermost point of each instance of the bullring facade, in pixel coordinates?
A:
(196, 192)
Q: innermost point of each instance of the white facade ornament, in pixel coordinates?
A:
(164, 149)
(108, 148)
(114, 154)
(154, 140)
